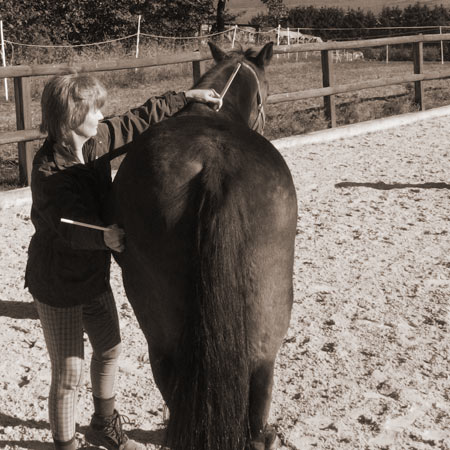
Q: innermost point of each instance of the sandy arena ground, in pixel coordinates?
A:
(365, 363)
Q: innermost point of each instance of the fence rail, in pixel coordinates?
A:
(22, 74)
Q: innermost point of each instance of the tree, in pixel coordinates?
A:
(220, 16)
(329, 18)
(177, 17)
(86, 21)
(27, 21)
(355, 20)
(278, 12)
(371, 21)
(390, 17)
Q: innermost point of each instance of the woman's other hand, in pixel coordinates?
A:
(114, 238)
(205, 96)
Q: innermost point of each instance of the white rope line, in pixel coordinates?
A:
(203, 36)
(71, 46)
(273, 30)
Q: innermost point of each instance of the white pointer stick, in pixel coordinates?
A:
(87, 225)
(230, 80)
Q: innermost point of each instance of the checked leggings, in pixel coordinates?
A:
(63, 331)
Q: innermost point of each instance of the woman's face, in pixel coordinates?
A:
(88, 128)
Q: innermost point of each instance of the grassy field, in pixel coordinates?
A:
(130, 88)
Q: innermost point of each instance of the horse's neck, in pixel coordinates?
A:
(239, 106)
(197, 109)
(234, 108)
(229, 111)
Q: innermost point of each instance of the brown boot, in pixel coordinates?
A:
(106, 431)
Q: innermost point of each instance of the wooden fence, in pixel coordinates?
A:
(22, 74)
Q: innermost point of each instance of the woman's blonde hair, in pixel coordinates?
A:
(65, 102)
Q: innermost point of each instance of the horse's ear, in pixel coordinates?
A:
(216, 52)
(265, 55)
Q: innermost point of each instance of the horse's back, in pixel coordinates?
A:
(173, 153)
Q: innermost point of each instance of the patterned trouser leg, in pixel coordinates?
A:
(101, 323)
(63, 332)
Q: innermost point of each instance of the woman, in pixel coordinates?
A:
(68, 266)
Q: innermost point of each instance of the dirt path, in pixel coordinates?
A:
(365, 362)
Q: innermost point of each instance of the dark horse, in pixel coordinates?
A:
(209, 210)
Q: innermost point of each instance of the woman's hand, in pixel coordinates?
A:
(114, 238)
(205, 96)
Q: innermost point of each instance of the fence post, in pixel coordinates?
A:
(197, 70)
(234, 36)
(198, 66)
(137, 37)
(328, 80)
(278, 37)
(418, 69)
(288, 41)
(22, 96)
(5, 81)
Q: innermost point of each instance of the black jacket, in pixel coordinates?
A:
(69, 265)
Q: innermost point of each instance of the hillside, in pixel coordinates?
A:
(246, 9)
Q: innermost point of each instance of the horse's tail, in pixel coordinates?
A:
(209, 407)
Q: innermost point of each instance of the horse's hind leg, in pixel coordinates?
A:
(163, 372)
(261, 383)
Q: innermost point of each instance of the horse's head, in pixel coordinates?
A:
(248, 91)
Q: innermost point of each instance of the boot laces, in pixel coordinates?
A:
(113, 427)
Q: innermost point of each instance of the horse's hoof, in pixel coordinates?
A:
(267, 441)
(272, 441)
(254, 445)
